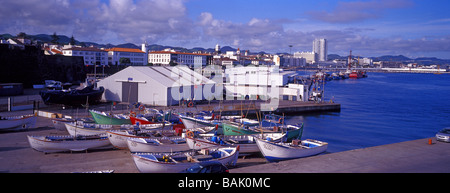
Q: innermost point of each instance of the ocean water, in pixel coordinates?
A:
(382, 109)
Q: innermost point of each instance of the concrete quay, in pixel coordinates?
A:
(415, 156)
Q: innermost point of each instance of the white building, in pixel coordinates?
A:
(321, 49)
(157, 85)
(287, 60)
(310, 57)
(137, 57)
(91, 56)
(189, 59)
(263, 83)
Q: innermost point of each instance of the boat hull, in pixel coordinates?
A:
(292, 133)
(147, 163)
(274, 152)
(17, 122)
(247, 143)
(64, 144)
(73, 98)
(103, 119)
(143, 145)
(119, 138)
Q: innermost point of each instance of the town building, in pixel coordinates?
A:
(263, 82)
(311, 57)
(157, 85)
(321, 49)
(91, 55)
(126, 56)
(172, 57)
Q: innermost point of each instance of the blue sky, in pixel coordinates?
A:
(414, 28)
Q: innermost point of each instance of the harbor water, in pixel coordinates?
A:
(382, 109)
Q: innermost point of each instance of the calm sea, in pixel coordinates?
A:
(381, 109)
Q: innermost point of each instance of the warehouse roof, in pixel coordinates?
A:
(173, 75)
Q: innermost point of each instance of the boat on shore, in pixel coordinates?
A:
(116, 119)
(177, 162)
(65, 143)
(87, 129)
(73, 97)
(60, 123)
(11, 123)
(279, 151)
(157, 145)
(292, 131)
(246, 143)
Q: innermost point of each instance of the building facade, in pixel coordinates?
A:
(321, 49)
(164, 58)
(135, 57)
(91, 56)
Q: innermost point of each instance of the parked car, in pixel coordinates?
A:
(443, 135)
(207, 167)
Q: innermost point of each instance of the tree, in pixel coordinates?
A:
(55, 38)
(124, 61)
(72, 41)
(22, 35)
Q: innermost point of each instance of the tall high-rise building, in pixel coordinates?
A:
(320, 48)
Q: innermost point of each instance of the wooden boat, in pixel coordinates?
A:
(292, 131)
(87, 129)
(177, 162)
(205, 120)
(116, 119)
(63, 143)
(60, 123)
(118, 138)
(157, 145)
(17, 122)
(278, 151)
(247, 143)
(73, 97)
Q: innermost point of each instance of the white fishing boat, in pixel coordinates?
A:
(118, 138)
(63, 143)
(60, 123)
(17, 122)
(247, 143)
(277, 151)
(87, 129)
(177, 162)
(157, 145)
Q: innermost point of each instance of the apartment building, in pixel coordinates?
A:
(91, 56)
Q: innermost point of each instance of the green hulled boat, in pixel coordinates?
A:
(101, 118)
(293, 132)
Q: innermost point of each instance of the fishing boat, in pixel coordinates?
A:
(205, 120)
(64, 143)
(157, 145)
(292, 131)
(115, 119)
(73, 97)
(118, 138)
(247, 143)
(60, 123)
(10, 123)
(279, 151)
(177, 162)
(87, 129)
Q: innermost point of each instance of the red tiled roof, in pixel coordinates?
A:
(125, 50)
(169, 52)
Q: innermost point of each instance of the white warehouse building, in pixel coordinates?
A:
(263, 83)
(157, 85)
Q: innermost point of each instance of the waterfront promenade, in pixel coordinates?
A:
(16, 156)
